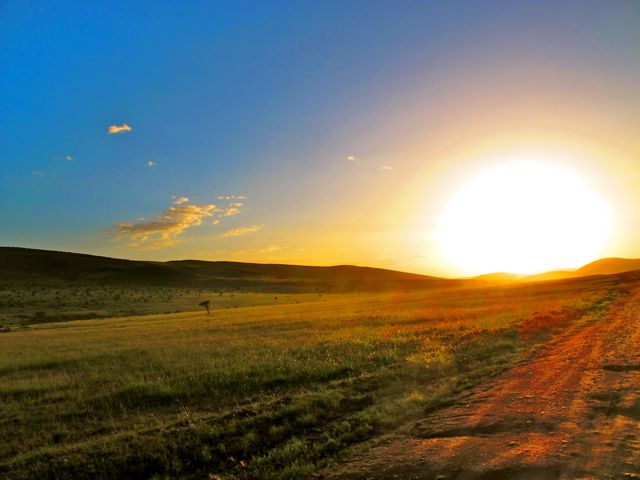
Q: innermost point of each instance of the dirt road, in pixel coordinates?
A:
(573, 411)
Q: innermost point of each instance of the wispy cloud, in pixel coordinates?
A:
(230, 212)
(237, 232)
(170, 224)
(231, 197)
(66, 158)
(151, 163)
(224, 212)
(119, 128)
(166, 228)
(233, 208)
(254, 252)
(368, 164)
(38, 173)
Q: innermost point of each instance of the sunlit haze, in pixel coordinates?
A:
(523, 217)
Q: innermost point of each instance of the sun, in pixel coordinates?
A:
(523, 217)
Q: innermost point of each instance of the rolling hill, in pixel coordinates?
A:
(25, 265)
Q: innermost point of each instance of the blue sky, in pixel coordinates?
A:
(268, 100)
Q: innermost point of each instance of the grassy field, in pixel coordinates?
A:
(269, 391)
(23, 304)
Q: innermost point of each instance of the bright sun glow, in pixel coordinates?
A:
(523, 217)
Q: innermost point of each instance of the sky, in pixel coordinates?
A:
(304, 132)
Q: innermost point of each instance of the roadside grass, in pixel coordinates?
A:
(264, 392)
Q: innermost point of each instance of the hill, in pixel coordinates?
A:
(551, 275)
(500, 277)
(23, 265)
(606, 266)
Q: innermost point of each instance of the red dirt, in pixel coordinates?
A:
(572, 411)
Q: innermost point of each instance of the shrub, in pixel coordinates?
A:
(544, 322)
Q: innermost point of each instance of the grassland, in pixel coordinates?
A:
(38, 286)
(25, 304)
(269, 391)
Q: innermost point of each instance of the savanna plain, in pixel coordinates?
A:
(269, 386)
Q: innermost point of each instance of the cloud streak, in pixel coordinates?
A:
(231, 197)
(368, 164)
(256, 252)
(114, 129)
(237, 232)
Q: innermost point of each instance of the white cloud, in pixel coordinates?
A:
(236, 232)
(68, 158)
(119, 128)
(151, 164)
(38, 173)
(352, 158)
(386, 168)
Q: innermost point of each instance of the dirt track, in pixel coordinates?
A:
(573, 411)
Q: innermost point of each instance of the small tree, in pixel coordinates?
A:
(205, 304)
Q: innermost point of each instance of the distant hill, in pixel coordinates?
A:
(604, 266)
(551, 275)
(44, 266)
(500, 277)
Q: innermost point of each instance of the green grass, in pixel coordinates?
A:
(272, 391)
(22, 304)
